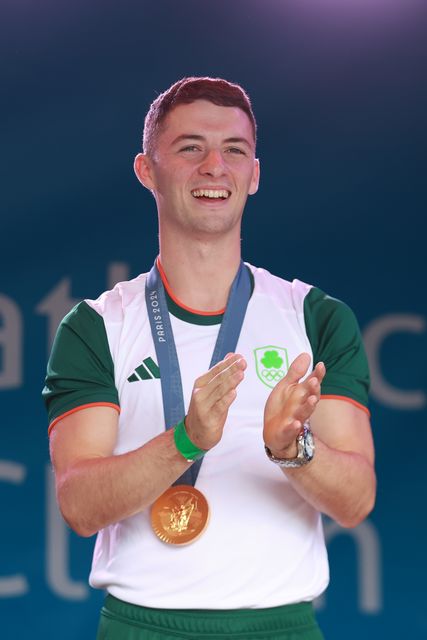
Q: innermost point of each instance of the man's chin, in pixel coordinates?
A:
(214, 225)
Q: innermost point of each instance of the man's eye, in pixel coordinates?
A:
(190, 147)
(235, 150)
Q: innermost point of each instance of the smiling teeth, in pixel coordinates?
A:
(210, 193)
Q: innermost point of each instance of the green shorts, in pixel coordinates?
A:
(123, 621)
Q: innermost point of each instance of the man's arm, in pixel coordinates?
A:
(96, 488)
(340, 479)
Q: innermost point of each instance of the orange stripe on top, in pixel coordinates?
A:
(178, 302)
(347, 399)
(79, 408)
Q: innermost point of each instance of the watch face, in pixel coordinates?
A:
(309, 445)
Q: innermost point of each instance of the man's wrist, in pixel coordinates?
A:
(184, 445)
(290, 451)
(305, 451)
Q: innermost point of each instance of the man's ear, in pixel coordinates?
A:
(142, 168)
(253, 188)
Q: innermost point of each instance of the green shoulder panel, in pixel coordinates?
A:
(80, 369)
(335, 340)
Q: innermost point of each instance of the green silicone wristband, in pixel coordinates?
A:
(184, 444)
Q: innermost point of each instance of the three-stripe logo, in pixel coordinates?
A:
(147, 370)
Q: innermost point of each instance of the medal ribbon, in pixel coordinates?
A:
(161, 330)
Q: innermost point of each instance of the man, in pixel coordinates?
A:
(251, 568)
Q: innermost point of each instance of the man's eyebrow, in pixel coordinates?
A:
(187, 136)
(199, 138)
(238, 141)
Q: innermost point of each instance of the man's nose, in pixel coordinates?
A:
(213, 163)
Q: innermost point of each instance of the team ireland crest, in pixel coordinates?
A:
(271, 364)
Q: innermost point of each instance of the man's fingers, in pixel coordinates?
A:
(312, 385)
(318, 372)
(312, 400)
(219, 381)
(230, 360)
(232, 367)
(225, 401)
(223, 382)
(298, 368)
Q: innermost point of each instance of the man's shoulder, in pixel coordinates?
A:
(124, 295)
(277, 288)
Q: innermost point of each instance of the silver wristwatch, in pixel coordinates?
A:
(305, 448)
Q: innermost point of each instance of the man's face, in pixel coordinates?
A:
(203, 168)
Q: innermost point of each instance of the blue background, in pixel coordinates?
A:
(340, 95)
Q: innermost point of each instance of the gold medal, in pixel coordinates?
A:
(180, 515)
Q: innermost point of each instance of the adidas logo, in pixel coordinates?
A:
(146, 371)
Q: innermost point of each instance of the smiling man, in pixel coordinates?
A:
(202, 169)
(200, 442)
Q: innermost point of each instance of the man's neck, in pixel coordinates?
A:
(200, 274)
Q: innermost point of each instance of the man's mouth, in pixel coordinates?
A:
(211, 194)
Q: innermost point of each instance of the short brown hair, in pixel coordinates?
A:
(187, 90)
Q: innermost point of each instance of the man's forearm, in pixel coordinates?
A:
(96, 492)
(96, 488)
(339, 483)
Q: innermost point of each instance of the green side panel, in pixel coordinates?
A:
(80, 368)
(142, 372)
(133, 378)
(196, 318)
(151, 366)
(336, 340)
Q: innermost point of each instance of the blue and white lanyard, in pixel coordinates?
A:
(161, 330)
